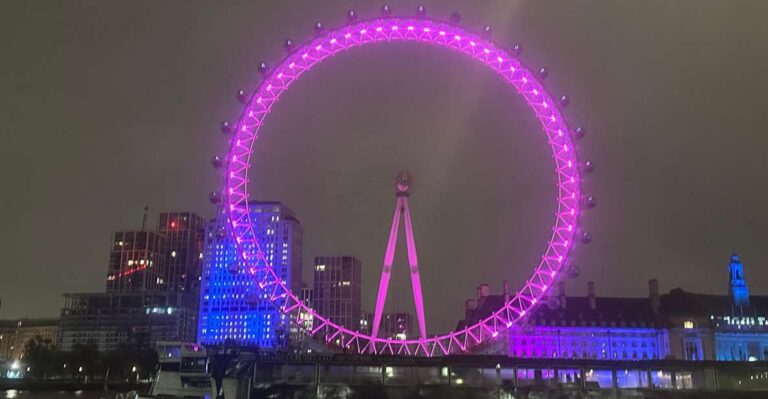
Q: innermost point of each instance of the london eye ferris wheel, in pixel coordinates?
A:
(449, 35)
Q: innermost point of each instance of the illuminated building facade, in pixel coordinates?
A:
(136, 261)
(109, 320)
(7, 334)
(231, 305)
(398, 325)
(676, 325)
(183, 250)
(737, 286)
(306, 319)
(719, 327)
(336, 290)
(151, 292)
(14, 335)
(588, 327)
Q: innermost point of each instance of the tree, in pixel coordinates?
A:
(119, 361)
(87, 357)
(39, 355)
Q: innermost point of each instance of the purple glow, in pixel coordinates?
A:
(401, 209)
(440, 34)
(386, 270)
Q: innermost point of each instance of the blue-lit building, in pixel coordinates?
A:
(151, 289)
(676, 325)
(571, 327)
(232, 308)
(719, 327)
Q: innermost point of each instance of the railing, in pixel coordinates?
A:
(507, 374)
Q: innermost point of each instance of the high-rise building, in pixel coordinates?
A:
(396, 325)
(136, 261)
(152, 289)
(232, 307)
(336, 291)
(183, 250)
(306, 318)
(109, 320)
(366, 322)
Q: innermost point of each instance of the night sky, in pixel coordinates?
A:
(106, 107)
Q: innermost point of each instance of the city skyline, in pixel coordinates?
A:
(668, 209)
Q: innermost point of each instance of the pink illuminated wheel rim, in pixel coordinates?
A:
(440, 34)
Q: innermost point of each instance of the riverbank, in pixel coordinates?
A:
(70, 385)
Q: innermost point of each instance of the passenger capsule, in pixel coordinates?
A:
(564, 101)
(351, 16)
(585, 237)
(455, 17)
(590, 202)
(588, 167)
(289, 45)
(543, 72)
(214, 197)
(217, 162)
(421, 11)
(579, 133)
(386, 10)
(242, 96)
(225, 127)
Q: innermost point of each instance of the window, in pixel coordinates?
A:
(688, 324)
(692, 349)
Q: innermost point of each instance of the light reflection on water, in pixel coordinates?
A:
(80, 394)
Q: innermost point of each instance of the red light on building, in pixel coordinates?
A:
(173, 224)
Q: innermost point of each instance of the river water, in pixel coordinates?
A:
(91, 394)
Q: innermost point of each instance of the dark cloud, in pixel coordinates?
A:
(107, 107)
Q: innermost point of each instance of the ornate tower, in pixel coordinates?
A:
(403, 185)
(738, 286)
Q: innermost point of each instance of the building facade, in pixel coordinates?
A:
(570, 327)
(151, 289)
(136, 261)
(718, 327)
(336, 289)
(232, 308)
(7, 335)
(676, 325)
(398, 325)
(14, 335)
(138, 319)
(183, 250)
